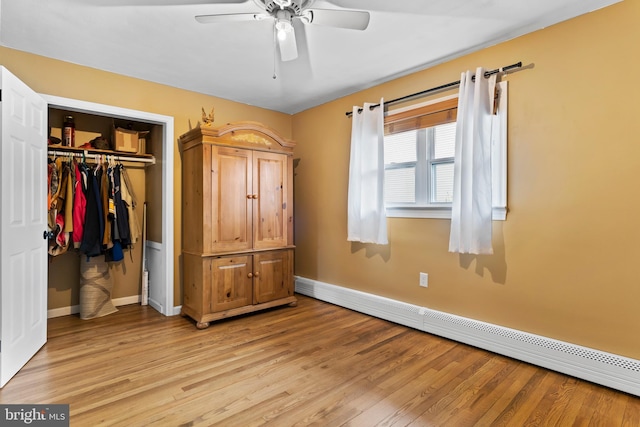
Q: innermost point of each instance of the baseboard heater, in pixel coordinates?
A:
(611, 370)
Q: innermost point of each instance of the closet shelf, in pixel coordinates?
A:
(94, 153)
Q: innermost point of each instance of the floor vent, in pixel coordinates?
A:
(603, 368)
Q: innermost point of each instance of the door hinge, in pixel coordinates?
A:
(0, 95)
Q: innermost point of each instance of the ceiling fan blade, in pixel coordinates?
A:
(288, 47)
(229, 17)
(414, 7)
(157, 2)
(350, 19)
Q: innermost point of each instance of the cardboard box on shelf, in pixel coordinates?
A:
(142, 142)
(129, 141)
(125, 140)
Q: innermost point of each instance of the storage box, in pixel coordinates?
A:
(142, 142)
(126, 140)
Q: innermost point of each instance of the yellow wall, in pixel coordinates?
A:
(567, 259)
(67, 80)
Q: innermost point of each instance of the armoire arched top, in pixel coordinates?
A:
(247, 134)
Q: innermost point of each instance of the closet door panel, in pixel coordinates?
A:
(231, 199)
(270, 208)
(23, 252)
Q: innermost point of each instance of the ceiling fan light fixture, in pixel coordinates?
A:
(283, 28)
(283, 24)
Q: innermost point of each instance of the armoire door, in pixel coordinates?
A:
(23, 250)
(231, 200)
(273, 277)
(270, 210)
(231, 282)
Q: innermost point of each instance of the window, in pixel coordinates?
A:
(419, 150)
(419, 166)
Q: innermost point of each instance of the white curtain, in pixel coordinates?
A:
(367, 222)
(471, 210)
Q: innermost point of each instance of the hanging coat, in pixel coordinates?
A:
(79, 206)
(94, 224)
(129, 198)
(69, 171)
(103, 177)
(122, 213)
(57, 212)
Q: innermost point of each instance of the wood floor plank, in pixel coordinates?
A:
(631, 413)
(539, 401)
(467, 394)
(343, 374)
(556, 401)
(417, 394)
(311, 365)
(569, 415)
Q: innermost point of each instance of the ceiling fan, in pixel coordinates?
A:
(284, 12)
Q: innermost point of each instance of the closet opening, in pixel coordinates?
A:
(149, 167)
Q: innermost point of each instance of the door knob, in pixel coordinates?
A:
(47, 235)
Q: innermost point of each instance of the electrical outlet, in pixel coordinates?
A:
(424, 280)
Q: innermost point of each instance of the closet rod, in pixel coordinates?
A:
(88, 155)
(437, 88)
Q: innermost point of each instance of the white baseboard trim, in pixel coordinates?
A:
(176, 310)
(75, 309)
(611, 370)
(156, 305)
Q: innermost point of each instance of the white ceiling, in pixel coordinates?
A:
(160, 41)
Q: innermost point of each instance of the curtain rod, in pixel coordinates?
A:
(437, 88)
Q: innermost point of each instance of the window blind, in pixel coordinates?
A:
(422, 117)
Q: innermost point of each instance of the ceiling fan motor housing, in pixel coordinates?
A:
(294, 6)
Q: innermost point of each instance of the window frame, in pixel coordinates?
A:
(499, 164)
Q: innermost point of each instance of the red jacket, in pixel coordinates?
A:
(79, 207)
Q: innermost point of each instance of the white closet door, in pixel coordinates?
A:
(23, 250)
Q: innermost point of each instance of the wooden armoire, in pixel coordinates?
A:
(237, 211)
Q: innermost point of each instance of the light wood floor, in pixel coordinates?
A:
(315, 364)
